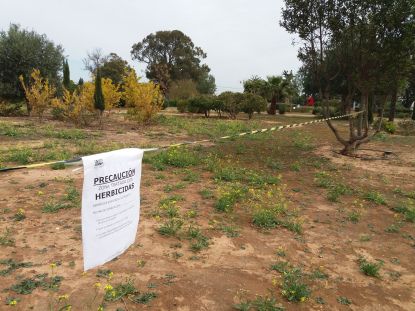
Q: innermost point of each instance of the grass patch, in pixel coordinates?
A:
(198, 240)
(176, 157)
(229, 196)
(375, 197)
(407, 210)
(369, 268)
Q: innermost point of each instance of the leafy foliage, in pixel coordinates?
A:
(39, 93)
(144, 100)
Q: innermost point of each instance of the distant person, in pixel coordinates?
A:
(310, 101)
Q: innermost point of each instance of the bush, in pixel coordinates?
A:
(282, 108)
(170, 103)
(144, 100)
(8, 109)
(231, 103)
(386, 126)
(252, 103)
(182, 105)
(202, 104)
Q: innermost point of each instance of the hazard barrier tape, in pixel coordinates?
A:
(275, 128)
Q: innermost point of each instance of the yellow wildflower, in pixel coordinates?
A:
(63, 297)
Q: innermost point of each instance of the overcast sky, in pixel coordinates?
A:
(241, 37)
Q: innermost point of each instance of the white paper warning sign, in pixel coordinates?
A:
(110, 204)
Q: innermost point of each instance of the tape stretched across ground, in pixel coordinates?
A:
(276, 128)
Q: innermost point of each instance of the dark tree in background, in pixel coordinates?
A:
(114, 68)
(99, 103)
(20, 52)
(172, 56)
(66, 75)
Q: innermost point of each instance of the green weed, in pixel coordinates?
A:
(177, 157)
(6, 239)
(354, 216)
(229, 197)
(344, 300)
(375, 197)
(369, 268)
(171, 227)
(13, 265)
(293, 286)
(198, 240)
(26, 286)
(206, 194)
(407, 210)
(259, 304)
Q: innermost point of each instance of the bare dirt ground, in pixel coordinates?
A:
(233, 267)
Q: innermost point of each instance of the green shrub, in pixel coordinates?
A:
(253, 103)
(375, 197)
(293, 286)
(8, 109)
(182, 105)
(385, 126)
(265, 219)
(282, 108)
(369, 268)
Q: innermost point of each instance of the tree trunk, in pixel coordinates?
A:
(273, 107)
(371, 107)
(392, 110)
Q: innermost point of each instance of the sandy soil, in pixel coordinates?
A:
(212, 279)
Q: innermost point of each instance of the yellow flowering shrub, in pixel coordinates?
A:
(39, 93)
(112, 94)
(77, 107)
(144, 100)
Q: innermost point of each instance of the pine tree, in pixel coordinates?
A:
(66, 75)
(99, 103)
(80, 82)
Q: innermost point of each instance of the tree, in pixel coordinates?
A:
(114, 68)
(144, 100)
(80, 82)
(21, 51)
(99, 102)
(66, 75)
(232, 103)
(183, 89)
(94, 60)
(170, 56)
(252, 103)
(355, 47)
(38, 93)
(256, 85)
(206, 84)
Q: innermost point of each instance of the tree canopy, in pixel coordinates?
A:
(171, 56)
(21, 51)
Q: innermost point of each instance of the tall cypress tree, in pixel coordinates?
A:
(99, 96)
(66, 75)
